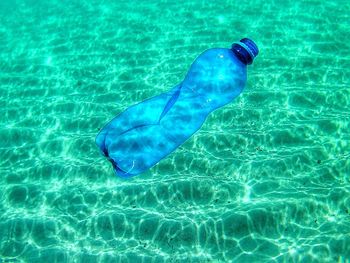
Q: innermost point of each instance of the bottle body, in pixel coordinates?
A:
(145, 133)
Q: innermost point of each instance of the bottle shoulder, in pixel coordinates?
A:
(221, 54)
(217, 76)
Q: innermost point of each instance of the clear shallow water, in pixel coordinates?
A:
(265, 180)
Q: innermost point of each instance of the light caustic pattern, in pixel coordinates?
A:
(264, 180)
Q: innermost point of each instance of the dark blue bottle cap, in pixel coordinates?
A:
(246, 50)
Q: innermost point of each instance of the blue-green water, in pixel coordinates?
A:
(266, 179)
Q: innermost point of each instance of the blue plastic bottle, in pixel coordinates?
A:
(145, 133)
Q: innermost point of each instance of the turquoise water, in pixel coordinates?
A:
(266, 179)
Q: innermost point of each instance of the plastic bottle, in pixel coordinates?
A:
(145, 133)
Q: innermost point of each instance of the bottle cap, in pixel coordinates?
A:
(246, 50)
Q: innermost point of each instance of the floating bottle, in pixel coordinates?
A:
(143, 134)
